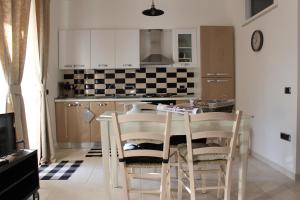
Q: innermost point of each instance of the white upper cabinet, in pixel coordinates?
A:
(127, 48)
(185, 47)
(74, 49)
(102, 49)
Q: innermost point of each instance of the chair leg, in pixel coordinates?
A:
(163, 181)
(203, 181)
(227, 181)
(125, 181)
(219, 184)
(179, 187)
(192, 180)
(169, 182)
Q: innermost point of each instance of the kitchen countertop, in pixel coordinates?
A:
(122, 99)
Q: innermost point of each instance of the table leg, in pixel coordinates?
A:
(244, 151)
(114, 162)
(105, 154)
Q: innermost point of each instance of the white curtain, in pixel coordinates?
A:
(30, 82)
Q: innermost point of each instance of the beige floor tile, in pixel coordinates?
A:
(87, 183)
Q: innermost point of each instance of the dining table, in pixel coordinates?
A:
(109, 147)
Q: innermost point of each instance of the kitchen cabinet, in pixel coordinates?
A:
(127, 48)
(74, 49)
(217, 62)
(217, 51)
(217, 88)
(102, 49)
(71, 127)
(185, 47)
(99, 108)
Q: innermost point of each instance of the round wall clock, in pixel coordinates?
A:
(257, 40)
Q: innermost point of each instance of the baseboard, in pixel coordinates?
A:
(275, 166)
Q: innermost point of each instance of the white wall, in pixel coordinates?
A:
(86, 14)
(261, 78)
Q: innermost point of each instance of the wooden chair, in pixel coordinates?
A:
(148, 156)
(213, 157)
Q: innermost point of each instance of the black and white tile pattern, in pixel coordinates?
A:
(59, 171)
(145, 80)
(94, 152)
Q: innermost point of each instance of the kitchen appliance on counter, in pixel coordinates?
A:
(156, 47)
(66, 90)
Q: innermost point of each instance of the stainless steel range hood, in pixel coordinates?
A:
(156, 47)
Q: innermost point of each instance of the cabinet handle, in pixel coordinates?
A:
(222, 74)
(211, 74)
(222, 81)
(68, 66)
(74, 104)
(211, 81)
(78, 66)
(127, 65)
(102, 65)
(102, 104)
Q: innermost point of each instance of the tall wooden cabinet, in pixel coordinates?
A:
(217, 62)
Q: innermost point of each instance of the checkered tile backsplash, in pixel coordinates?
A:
(121, 81)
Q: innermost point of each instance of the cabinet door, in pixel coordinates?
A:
(61, 129)
(98, 108)
(78, 130)
(102, 49)
(127, 48)
(74, 49)
(217, 88)
(185, 48)
(217, 51)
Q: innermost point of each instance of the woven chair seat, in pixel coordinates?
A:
(182, 148)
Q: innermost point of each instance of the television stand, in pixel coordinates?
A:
(20, 176)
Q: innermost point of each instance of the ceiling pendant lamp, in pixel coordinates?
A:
(153, 11)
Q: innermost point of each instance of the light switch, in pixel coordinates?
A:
(287, 90)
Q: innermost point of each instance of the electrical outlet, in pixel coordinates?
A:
(285, 136)
(287, 90)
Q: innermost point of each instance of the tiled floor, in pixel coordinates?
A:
(87, 183)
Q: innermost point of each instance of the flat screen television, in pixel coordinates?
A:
(7, 134)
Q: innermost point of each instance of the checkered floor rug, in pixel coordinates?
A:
(94, 152)
(59, 171)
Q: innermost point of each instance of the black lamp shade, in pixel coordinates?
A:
(153, 11)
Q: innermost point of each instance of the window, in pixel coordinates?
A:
(259, 5)
(256, 8)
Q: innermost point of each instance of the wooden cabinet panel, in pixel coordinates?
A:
(217, 51)
(98, 108)
(70, 126)
(217, 88)
(61, 129)
(78, 130)
(74, 49)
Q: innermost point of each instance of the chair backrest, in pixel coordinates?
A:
(151, 135)
(228, 147)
